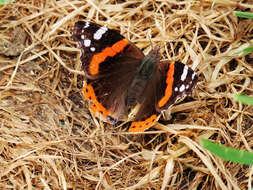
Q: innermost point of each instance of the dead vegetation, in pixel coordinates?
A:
(48, 138)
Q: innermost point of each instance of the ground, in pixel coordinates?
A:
(50, 140)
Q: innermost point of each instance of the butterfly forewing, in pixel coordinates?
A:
(102, 49)
(179, 80)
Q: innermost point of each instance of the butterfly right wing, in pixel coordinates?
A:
(172, 81)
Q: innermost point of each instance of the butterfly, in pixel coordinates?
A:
(118, 77)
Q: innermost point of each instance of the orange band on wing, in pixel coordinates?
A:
(140, 126)
(107, 52)
(169, 83)
(97, 108)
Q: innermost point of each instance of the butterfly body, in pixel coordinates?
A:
(143, 76)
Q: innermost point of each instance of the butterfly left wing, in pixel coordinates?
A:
(109, 62)
(171, 81)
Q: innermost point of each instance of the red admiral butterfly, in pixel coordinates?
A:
(119, 77)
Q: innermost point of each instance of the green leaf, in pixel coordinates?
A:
(3, 2)
(244, 99)
(247, 50)
(229, 154)
(243, 14)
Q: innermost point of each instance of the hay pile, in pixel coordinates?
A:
(48, 138)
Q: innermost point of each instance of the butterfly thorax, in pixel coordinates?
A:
(144, 74)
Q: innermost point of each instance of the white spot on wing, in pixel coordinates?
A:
(98, 34)
(82, 36)
(185, 72)
(182, 88)
(87, 24)
(87, 43)
(187, 86)
(92, 49)
(176, 89)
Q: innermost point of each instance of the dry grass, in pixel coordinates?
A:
(48, 138)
